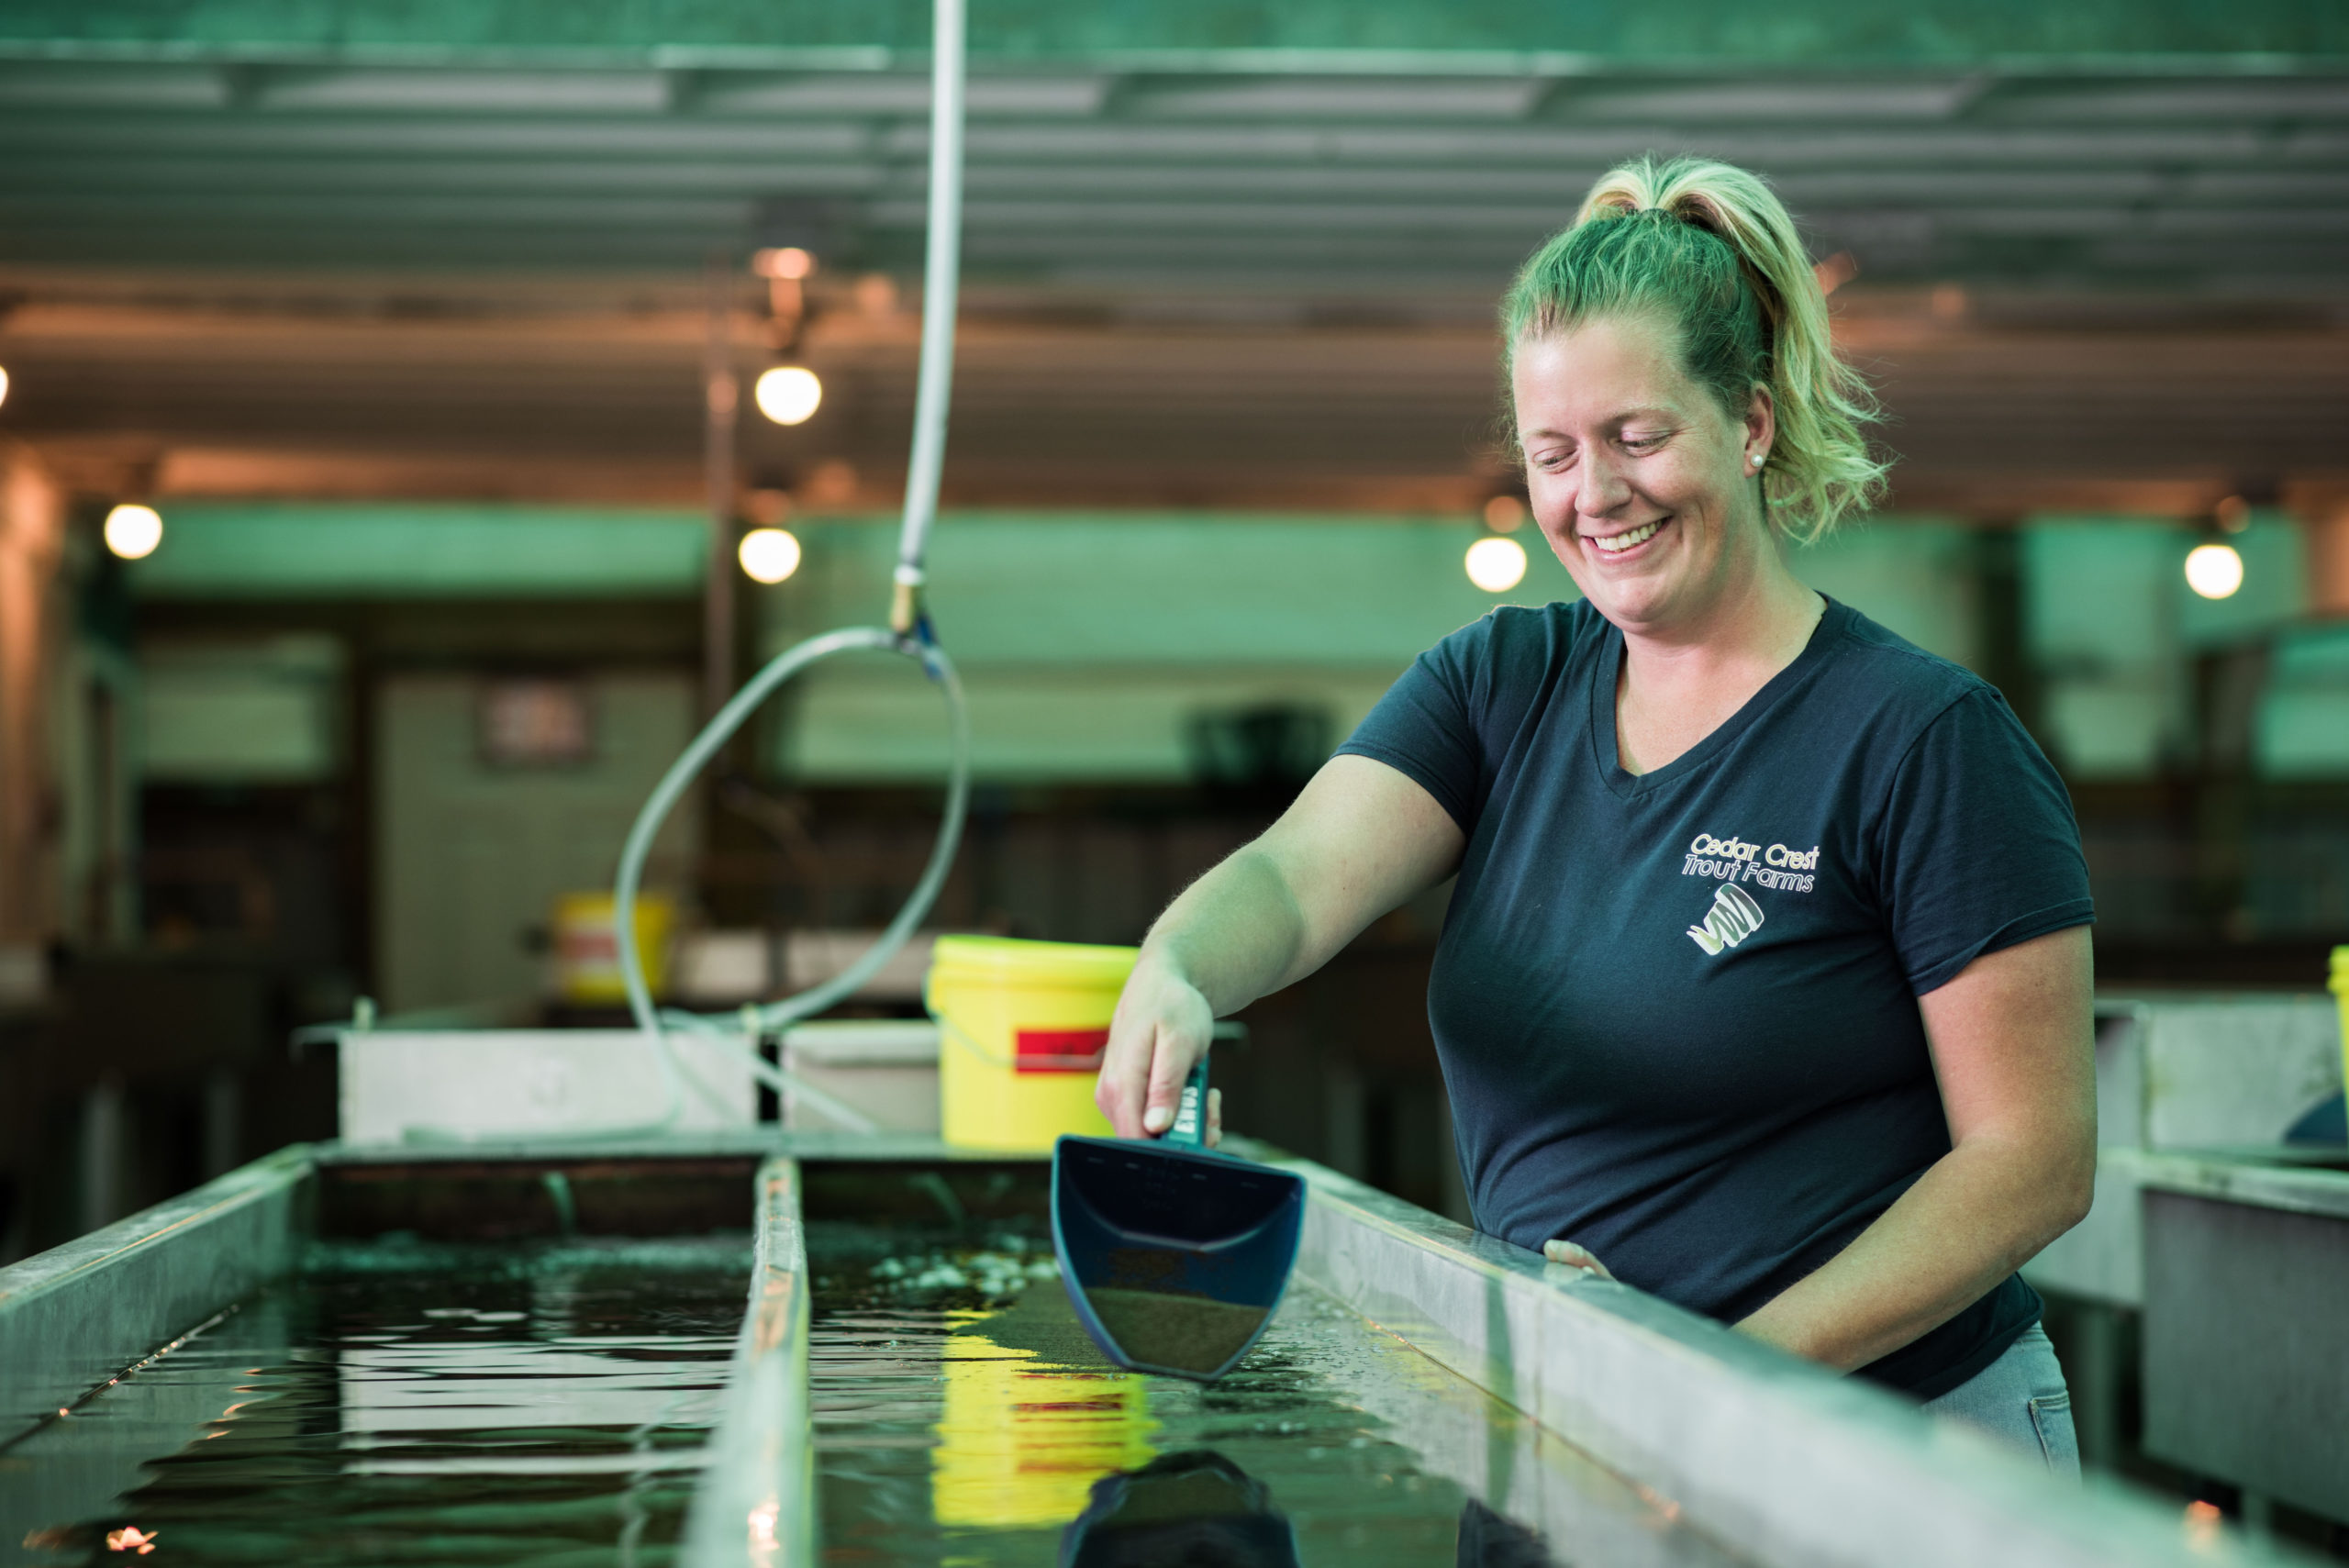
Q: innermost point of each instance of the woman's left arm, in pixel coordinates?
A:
(2013, 1045)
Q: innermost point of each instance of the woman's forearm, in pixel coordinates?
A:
(1234, 934)
(1970, 1220)
(2012, 1042)
(1359, 840)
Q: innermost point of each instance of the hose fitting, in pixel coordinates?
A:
(905, 599)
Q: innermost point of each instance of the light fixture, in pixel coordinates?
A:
(134, 531)
(1496, 564)
(1504, 514)
(4, 385)
(2213, 570)
(786, 269)
(788, 394)
(787, 262)
(768, 555)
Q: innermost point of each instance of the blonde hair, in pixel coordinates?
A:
(1708, 249)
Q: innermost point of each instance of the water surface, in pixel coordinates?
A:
(444, 1406)
(549, 1405)
(963, 1418)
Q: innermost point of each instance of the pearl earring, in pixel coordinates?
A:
(1757, 459)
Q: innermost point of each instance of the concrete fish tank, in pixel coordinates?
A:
(793, 1349)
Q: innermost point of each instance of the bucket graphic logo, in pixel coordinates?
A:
(1733, 917)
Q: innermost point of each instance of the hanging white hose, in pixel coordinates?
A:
(734, 1031)
(941, 277)
(908, 634)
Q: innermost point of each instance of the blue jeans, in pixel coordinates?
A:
(2021, 1399)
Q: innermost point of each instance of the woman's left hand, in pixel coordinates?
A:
(1576, 1257)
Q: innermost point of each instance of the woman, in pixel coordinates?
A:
(1766, 979)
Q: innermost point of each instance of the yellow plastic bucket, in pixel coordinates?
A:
(2339, 985)
(587, 951)
(1021, 1027)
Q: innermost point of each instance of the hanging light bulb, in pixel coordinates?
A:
(768, 555)
(2213, 570)
(1496, 564)
(1504, 514)
(788, 395)
(133, 532)
(788, 261)
(4, 384)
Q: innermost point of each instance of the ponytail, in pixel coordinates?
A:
(1709, 249)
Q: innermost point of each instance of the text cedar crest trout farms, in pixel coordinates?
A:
(1734, 859)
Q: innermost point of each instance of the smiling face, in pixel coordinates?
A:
(1642, 484)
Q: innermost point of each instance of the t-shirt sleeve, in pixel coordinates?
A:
(1979, 849)
(1424, 729)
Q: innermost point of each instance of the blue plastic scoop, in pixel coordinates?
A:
(1174, 1254)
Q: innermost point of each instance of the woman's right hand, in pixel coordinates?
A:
(1162, 1026)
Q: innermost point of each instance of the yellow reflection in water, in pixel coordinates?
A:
(1023, 1440)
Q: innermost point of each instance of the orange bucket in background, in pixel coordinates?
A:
(1021, 1027)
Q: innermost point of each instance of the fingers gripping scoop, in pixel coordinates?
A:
(1174, 1255)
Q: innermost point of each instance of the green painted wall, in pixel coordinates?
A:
(1087, 643)
(291, 550)
(1914, 576)
(2115, 630)
(2303, 725)
(239, 712)
(1090, 643)
(1221, 590)
(1925, 31)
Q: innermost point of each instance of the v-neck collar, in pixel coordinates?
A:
(1604, 752)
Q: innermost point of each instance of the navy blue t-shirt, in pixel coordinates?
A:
(1677, 1010)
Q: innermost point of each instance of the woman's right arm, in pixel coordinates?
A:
(1361, 838)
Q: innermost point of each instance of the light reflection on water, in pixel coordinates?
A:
(950, 1432)
(445, 1407)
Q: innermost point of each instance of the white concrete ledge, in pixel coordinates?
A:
(2258, 1179)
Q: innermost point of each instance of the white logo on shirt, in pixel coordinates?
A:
(1733, 917)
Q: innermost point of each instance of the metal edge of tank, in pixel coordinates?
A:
(1512, 1464)
(1778, 1459)
(847, 1147)
(755, 1504)
(75, 1317)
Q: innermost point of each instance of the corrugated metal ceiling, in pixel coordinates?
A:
(1334, 175)
(1220, 252)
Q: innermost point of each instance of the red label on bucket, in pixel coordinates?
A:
(1059, 1050)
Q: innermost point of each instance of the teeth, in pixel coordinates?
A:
(1623, 542)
